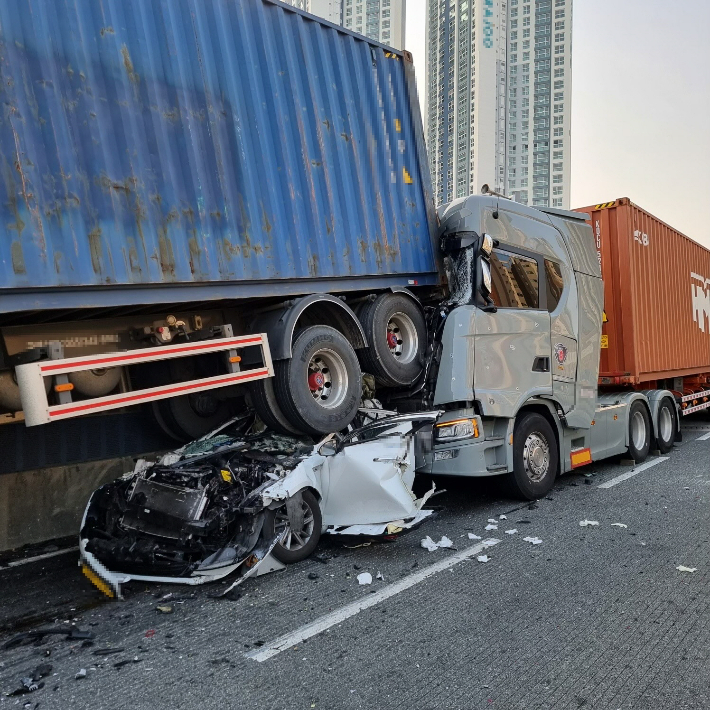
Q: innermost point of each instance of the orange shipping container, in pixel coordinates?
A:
(656, 298)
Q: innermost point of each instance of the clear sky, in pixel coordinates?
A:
(640, 105)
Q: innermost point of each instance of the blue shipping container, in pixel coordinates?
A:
(222, 148)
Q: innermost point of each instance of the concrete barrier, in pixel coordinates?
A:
(48, 503)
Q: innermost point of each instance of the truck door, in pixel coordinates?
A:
(513, 346)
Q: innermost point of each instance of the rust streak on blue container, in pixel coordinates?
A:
(203, 142)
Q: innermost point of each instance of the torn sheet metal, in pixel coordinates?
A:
(207, 510)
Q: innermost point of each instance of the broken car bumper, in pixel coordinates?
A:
(466, 458)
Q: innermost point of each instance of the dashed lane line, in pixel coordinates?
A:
(318, 626)
(704, 437)
(634, 472)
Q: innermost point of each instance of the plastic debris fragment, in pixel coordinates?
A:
(587, 523)
(483, 558)
(364, 578)
(533, 540)
(471, 536)
(502, 517)
(380, 576)
(490, 542)
(491, 527)
(81, 674)
(619, 525)
(683, 568)
(492, 520)
(511, 532)
(428, 544)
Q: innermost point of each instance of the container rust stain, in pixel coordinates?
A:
(128, 65)
(165, 248)
(18, 258)
(94, 237)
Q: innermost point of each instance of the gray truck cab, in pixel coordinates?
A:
(519, 361)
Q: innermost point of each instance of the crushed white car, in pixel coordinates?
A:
(236, 503)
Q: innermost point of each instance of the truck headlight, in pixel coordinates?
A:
(457, 429)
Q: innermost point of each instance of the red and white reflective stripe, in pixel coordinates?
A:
(74, 364)
(696, 395)
(100, 404)
(697, 408)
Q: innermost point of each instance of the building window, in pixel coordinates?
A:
(557, 167)
(557, 190)
(559, 108)
(557, 178)
(557, 155)
(560, 37)
(557, 203)
(524, 182)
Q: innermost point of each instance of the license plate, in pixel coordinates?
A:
(99, 583)
(443, 455)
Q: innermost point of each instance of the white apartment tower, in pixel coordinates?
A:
(381, 20)
(498, 93)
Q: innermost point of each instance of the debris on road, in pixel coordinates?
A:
(587, 523)
(81, 673)
(619, 525)
(490, 542)
(164, 609)
(502, 517)
(72, 633)
(683, 568)
(364, 578)
(483, 558)
(511, 532)
(491, 527)
(492, 520)
(380, 576)
(471, 536)
(533, 540)
(108, 651)
(32, 682)
(428, 544)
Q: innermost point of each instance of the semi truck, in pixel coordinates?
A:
(214, 204)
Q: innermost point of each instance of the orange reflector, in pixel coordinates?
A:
(580, 457)
(236, 358)
(68, 387)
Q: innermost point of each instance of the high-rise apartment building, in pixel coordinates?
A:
(381, 20)
(498, 91)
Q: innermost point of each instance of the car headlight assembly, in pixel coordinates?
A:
(457, 429)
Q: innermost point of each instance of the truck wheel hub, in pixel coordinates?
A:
(536, 457)
(315, 381)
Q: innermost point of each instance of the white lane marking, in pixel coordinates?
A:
(27, 560)
(625, 476)
(282, 643)
(704, 437)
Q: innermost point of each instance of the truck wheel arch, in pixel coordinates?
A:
(545, 408)
(320, 309)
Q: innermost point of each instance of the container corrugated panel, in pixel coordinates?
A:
(656, 296)
(153, 142)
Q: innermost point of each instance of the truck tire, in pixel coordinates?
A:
(300, 544)
(535, 457)
(319, 388)
(263, 399)
(666, 425)
(395, 329)
(639, 432)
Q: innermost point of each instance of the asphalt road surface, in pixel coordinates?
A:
(594, 616)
